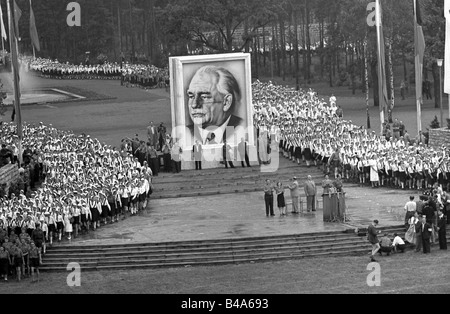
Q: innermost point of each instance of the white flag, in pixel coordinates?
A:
(3, 24)
(447, 47)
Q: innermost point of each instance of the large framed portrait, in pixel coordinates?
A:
(211, 99)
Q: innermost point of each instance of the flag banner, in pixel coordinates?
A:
(4, 36)
(16, 71)
(447, 48)
(17, 16)
(33, 30)
(419, 45)
(419, 49)
(384, 99)
(383, 69)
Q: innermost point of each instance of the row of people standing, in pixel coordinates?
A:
(279, 189)
(145, 76)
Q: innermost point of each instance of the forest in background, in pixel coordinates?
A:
(310, 40)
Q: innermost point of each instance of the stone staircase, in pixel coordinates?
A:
(209, 252)
(193, 183)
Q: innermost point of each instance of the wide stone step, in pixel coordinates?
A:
(212, 244)
(142, 264)
(301, 238)
(186, 258)
(201, 251)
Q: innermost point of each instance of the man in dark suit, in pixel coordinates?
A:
(442, 230)
(311, 192)
(423, 232)
(197, 152)
(214, 94)
(226, 149)
(153, 136)
(243, 153)
(135, 143)
(372, 236)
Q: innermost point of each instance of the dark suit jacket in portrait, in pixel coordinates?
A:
(237, 123)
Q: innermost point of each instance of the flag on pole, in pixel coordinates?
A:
(447, 48)
(33, 30)
(4, 36)
(382, 86)
(16, 69)
(419, 48)
(17, 16)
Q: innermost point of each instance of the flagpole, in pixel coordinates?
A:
(15, 72)
(3, 30)
(380, 65)
(366, 75)
(32, 45)
(418, 73)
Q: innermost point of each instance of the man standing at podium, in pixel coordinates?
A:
(310, 191)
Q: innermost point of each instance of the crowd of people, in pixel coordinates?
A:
(159, 150)
(84, 185)
(311, 130)
(426, 223)
(133, 75)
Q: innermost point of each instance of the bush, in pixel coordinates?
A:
(102, 58)
(448, 124)
(435, 123)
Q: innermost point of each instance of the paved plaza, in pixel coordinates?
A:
(243, 215)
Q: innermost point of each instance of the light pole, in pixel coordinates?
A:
(439, 63)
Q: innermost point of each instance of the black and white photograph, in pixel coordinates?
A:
(224, 155)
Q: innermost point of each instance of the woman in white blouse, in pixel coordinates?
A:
(134, 196)
(67, 224)
(419, 174)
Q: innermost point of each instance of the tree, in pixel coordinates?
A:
(214, 23)
(434, 32)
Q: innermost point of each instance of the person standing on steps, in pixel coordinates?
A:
(226, 154)
(442, 230)
(295, 193)
(311, 192)
(423, 232)
(281, 203)
(243, 153)
(372, 236)
(197, 155)
(268, 198)
(176, 152)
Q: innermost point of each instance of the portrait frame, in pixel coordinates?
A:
(182, 70)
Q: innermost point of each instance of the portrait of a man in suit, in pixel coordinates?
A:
(213, 97)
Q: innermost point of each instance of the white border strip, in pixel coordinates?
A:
(67, 93)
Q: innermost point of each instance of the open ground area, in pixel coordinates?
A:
(344, 275)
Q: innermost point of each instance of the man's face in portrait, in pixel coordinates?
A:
(207, 106)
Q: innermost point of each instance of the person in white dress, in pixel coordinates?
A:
(68, 225)
(374, 177)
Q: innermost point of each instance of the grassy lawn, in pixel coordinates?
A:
(399, 274)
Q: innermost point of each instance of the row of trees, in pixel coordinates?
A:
(319, 39)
